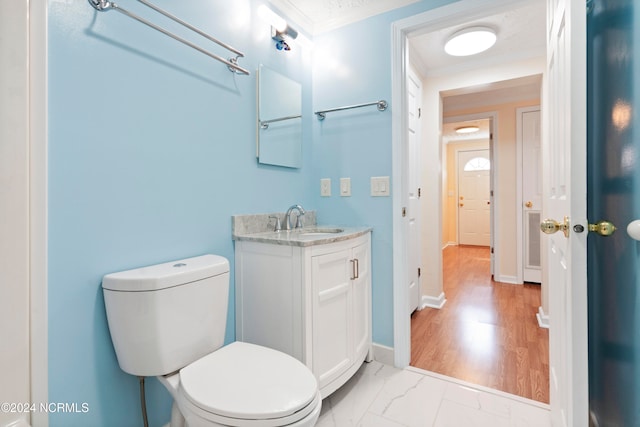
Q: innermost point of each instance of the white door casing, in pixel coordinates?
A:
(474, 188)
(457, 13)
(414, 96)
(492, 117)
(564, 194)
(14, 211)
(31, 17)
(492, 197)
(530, 158)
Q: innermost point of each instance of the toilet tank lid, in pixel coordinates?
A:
(166, 275)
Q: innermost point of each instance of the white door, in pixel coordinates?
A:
(564, 195)
(474, 189)
(414, 90)
(529, 134)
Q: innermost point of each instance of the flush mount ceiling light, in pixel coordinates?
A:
(470, 41)
(467, 129)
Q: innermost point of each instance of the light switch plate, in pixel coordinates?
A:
(325, 187)
(345, 187)
(380, 186)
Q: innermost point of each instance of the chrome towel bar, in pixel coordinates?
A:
(104, 5)
(264, 124)
(382, 105)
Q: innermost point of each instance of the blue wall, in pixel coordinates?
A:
(152, 149)
(352, 65)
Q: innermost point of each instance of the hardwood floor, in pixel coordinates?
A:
(487, 332)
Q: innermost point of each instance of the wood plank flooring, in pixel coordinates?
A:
(487, 332)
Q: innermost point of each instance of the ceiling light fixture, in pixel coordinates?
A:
(470, 41)
(467, 129)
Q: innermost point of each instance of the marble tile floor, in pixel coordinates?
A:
(380, 395)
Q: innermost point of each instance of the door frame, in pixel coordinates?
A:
(456, 13)
(33, 13)
(38, 201)
(492, 116)
(439, 18)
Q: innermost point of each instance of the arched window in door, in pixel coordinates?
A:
(477, 164)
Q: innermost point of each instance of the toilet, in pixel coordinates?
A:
(169, 320)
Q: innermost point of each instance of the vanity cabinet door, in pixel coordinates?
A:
(361, 264)
(332, 302)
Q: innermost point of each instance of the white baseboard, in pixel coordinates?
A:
(512, 280)
(433, 302)
(543, 319)
(446, 245)
(383, 354)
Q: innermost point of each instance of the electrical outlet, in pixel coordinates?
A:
(345, 187)
(325, 187)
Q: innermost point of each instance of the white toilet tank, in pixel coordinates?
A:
(165, 316)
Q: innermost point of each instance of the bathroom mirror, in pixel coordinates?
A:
(279, 134)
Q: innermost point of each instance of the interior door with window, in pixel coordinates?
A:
(474, 189)
(613, 147)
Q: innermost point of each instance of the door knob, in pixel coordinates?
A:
(529, 204)
(633, 229)
(461, 204)
(603, 228)
(550, 226)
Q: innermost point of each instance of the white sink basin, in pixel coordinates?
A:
(320, 231)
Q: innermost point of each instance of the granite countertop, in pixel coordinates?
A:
(307, 236)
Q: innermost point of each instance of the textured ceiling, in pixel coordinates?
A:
(521, 35)
(521, 31)
(318, 16)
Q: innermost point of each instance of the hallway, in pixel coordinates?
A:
(486, 333)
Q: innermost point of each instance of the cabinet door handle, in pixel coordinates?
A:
(355, 268)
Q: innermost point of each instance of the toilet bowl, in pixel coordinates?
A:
(168, 321)
(244, 384)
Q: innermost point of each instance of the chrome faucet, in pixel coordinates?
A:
(287, 218)
(277, 227)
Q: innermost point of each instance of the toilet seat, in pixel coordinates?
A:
(246, 384)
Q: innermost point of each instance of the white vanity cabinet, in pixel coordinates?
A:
(312, 302)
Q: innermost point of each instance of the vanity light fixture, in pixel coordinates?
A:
(470, 41)
(283, 38)
(281, 32)
(467, 129)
